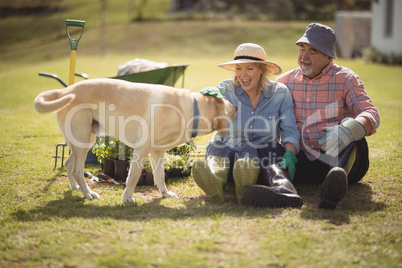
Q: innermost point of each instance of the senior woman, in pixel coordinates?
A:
(262, 140)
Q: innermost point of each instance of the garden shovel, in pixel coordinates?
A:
(73, 45)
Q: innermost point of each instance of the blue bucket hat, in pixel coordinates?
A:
(321, 37)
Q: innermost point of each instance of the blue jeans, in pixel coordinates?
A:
(264, 155)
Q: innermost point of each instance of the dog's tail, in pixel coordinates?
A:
(52, 100)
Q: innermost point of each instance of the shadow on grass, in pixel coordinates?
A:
(358, 200)
(74, 205)
(59, 173)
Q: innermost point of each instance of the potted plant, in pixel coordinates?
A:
(113, 155)
(102, 149)
(178, 161)
(147, 177)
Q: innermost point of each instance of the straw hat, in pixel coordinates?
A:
(249, 52)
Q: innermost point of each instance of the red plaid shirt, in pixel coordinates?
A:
(325, 100)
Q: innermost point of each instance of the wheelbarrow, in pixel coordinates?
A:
(165, 76)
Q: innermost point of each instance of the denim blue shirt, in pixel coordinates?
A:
(271, 123)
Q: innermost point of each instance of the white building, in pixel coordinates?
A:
(386, 26)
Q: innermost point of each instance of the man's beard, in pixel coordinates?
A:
(306, 70)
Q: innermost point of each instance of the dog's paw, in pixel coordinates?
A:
(75, 187)
(92, 195)
(127, 196)
(128, 199)
(169, 194)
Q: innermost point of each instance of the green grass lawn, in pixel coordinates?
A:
(45, 224)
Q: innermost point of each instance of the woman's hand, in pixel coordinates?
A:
(289, 161)
(217, 92)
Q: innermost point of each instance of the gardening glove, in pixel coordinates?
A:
(217, 92)
(340, 136)
(289, 161)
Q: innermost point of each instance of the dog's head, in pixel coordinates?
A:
(215, 114)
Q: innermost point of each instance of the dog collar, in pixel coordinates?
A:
(196, 116)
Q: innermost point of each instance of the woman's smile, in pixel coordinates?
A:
(249, 76)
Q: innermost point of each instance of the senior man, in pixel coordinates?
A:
(333, 115)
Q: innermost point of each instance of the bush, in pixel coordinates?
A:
(371, 54)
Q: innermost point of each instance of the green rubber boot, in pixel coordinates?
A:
(245, 172)
(211, 176)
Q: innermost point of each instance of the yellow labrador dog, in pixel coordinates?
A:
(149, 118)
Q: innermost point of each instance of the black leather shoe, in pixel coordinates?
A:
(274, 197)
(334, 188)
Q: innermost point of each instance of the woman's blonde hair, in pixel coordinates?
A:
(263, 83)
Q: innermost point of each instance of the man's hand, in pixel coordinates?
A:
(289, 161)
(217, 92)
(340, 136)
